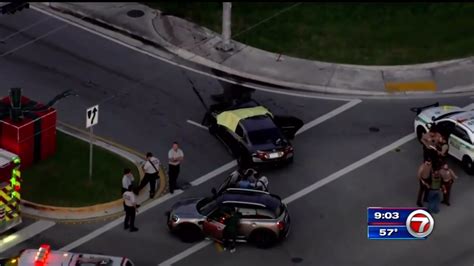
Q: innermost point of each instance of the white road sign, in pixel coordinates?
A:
(92, 116)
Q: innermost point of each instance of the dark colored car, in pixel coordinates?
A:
(265, 218)
(253, 134)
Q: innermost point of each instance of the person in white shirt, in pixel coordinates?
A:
(175, 157)
(130, 203)
(151, 168)
(127, 179)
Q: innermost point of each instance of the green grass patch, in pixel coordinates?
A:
(62, 180)
(354, 33)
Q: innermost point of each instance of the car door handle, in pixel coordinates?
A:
(254, 224)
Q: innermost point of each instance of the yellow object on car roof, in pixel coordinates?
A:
(230, 119)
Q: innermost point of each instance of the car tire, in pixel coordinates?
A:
(263, 238)
(189, 233)
(419, 133)
(468, 165)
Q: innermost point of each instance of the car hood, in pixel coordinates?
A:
(186, 207)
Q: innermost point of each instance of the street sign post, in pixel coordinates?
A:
(92, 118)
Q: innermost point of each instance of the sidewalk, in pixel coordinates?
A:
(111, 209)
(248, 64)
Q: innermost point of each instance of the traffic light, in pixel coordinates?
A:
(13, 7)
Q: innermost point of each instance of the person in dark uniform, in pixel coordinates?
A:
(231, 228)
(423, 176)
(442, 148)
(448, 177)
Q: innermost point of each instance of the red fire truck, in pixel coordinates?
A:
(10, 185)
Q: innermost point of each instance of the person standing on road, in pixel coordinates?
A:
(230, 230)
(429, 142)
(150, 167)
(127, 179)
(131, 208)
(423, 175)
(434, 193)
(448, 177)
(175, 157)
(442, 149)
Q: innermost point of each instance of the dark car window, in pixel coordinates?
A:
(239, 131)
(461, 133)
(446, 127)
(265, 136)
(206, 206)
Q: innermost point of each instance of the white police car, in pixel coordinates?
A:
(45, 256)
(457, 122)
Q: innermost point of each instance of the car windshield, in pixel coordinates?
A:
(206, 206)
(265, 136)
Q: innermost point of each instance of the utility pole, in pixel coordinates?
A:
(226, 44)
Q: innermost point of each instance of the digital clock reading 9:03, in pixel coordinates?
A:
(398, 223)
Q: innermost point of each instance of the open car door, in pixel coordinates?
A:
(213, 229)
(288, 125)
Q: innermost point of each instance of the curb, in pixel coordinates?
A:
(244, 77)
(93, 213)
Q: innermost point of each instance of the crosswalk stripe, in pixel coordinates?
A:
(24, 234)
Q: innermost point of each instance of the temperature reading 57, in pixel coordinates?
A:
(387, 231)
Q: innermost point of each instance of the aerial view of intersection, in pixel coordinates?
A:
(233, 133)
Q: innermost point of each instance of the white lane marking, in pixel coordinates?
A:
(305, 191)
(469, 107)
(123, 43)
(196, 124)
(24, 29)
(118, 221)
(329, 115)
(214, 173)
(186, 253)
(24, 234)
(349, 168)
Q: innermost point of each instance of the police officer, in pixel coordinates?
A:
(442, 148)
(175, 157)
(423, 175)
(448, 177)
(127, 179)
(429, 141)
(150, 167)
(131, 206)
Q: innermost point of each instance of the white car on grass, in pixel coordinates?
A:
(455, 121)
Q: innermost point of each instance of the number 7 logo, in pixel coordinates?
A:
(420, 223)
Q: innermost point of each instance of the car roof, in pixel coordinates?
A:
(464, 118)
(269, 201)
(230, 119)
(257, 123)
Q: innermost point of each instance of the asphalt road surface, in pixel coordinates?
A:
(146, 103)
